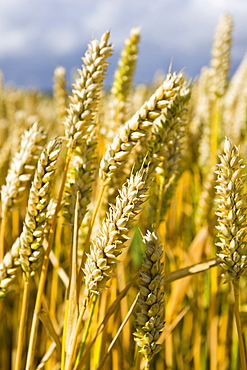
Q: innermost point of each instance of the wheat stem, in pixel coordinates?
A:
(159, 205)
(72, 295)
(215, 127)
(118, 332)
(22, 325)
(77, 332)
(66, 310)
(3, 230)
(86, 331)
(239, 325)
(15, 223)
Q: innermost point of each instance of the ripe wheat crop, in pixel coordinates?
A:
(123, 238)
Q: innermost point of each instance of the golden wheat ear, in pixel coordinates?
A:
(221, 53)
(167, 146)
(137, 128)
(123, 78)
(20, 174)
(9, 268)
(86, 91)
(150, 313)
(59, 92)
(231, 213)
(234, 103)
(31, 239)
(232, 227)
(80, 177)
(106, 248)
(22, 167)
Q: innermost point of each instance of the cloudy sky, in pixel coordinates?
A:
(38, 35)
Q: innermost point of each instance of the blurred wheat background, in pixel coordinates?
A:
(123, 217)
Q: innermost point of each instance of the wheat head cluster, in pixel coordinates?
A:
(123, 237)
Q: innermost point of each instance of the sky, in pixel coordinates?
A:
(38, 35)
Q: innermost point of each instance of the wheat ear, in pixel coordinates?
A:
(166, 147)
(9, 267)
(123, 77)
(231, 212)
(31, 249)
(79, 179)
(170, 127)
(87, 89)
(20, 173)
(150, 314)
(22, 167)
(106, 248)
(232, 227)
(59, 91)
(234, 113)
(220, 63)
(137, 128)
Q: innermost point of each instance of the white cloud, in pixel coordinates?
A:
(61, 40)
(178, 29)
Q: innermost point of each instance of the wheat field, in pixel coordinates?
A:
(123, 217)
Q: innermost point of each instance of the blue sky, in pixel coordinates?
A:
(38, 35)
